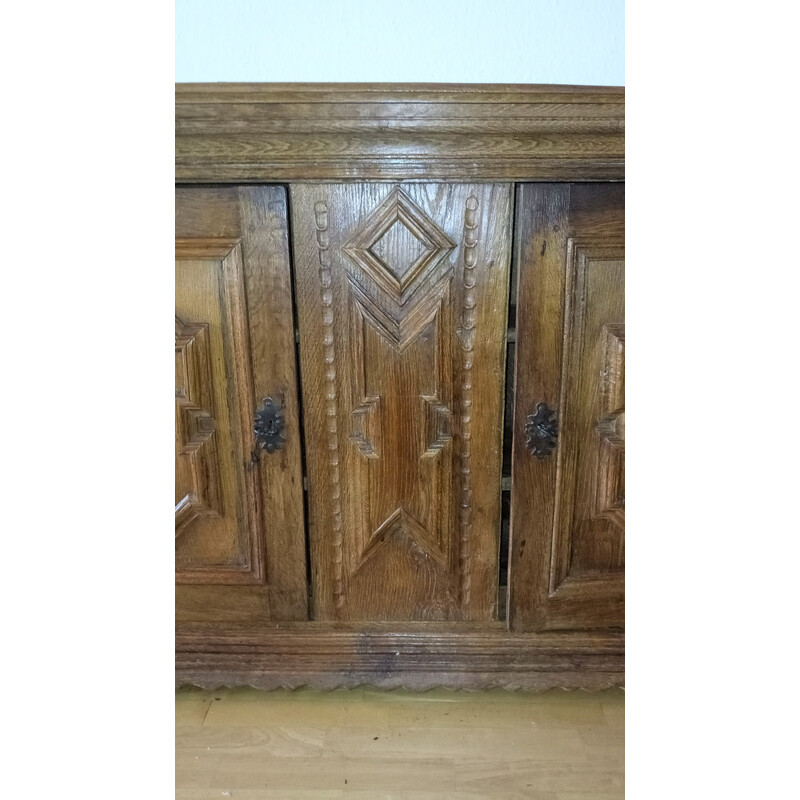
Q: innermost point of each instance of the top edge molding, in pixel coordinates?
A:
(392, 92)
(283, 132)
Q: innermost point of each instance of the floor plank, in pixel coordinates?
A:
(364, 743)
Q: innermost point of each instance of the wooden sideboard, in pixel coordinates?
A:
(400, 413)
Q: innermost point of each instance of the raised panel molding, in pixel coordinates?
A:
(404, 281)
(197, 469)
(219, 530)
(610, 495)
(590, 516)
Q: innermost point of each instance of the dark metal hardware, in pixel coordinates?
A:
(269, 426)
(541, 430)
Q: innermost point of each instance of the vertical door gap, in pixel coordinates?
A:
(300, 397)
(508, 423)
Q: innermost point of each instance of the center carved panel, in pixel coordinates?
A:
(399, 272)
(401, 277)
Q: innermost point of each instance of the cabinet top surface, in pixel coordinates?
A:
(393, 92)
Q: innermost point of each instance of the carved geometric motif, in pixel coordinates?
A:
(400, 249)
(402, 525)
(398, 268)
(439, 423)
(364, 418)
(194, 427)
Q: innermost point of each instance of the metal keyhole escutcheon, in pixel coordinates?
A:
(541, 431)
(269, 426)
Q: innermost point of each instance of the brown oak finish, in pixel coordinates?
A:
(326, 655)
(197, 467)
(323, 133)
(401, 296)
(234, 346)
(567, 509)
(326, 132)
(216, 521)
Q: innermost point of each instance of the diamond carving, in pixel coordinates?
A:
(398, 266)
(399, 249)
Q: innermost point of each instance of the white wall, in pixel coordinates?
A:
(448, 41)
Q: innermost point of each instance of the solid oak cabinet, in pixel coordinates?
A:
(399, 400)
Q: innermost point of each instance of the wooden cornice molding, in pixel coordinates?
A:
(321, 132)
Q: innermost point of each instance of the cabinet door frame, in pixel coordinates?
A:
(543, 596)
(245, 230)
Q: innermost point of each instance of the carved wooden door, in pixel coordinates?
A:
(401, 297)
(567, 555)
(239, 530)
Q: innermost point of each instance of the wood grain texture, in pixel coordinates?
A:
(402, 365)
(264, 219)
(589, 528)
(198, 483)
(233, 291)
(415, 656)
(362, 744)
(305, 132)
(567, 510)
(236, 605)
(222, 543)
(413, 371)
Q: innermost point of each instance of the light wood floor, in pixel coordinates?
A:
(363, 743)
